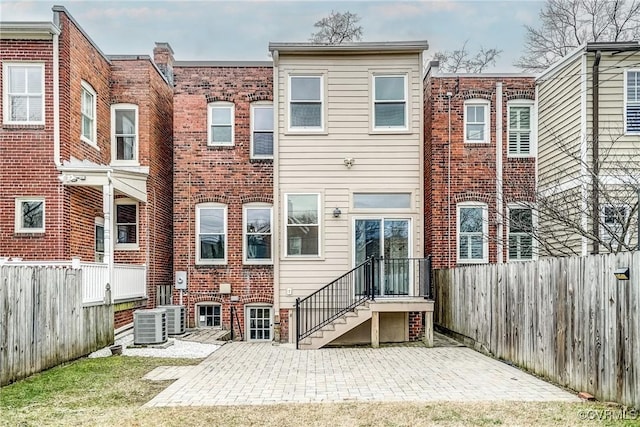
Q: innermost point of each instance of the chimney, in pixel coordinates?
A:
(163, 57)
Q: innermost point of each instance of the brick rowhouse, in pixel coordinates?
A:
(473, 172)
(30, 166)
(221, 174)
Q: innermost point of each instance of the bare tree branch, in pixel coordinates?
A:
(460, 60)
(337, 28)
(567, 24)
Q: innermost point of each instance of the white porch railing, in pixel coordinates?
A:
(129, 281)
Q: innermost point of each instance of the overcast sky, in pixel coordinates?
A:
(242, 29)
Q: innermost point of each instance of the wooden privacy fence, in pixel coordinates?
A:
(568, 319)
(43, 321)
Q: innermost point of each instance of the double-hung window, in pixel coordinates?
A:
(29, 215)
(257, 234)
(473, 244)
(23, 90)
(476, 121)
(126, 224)
(520, 130)
(632, 102)
(88, 112)
(303, 213)
(520, 233)
(124, 124)
(390, 102)
(306, 103)
(221, 120)
(262, 131)
(211, 233)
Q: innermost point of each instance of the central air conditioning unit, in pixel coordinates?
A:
(150, 326)
(175, 318)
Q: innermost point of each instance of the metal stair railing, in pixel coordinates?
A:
(347, 292)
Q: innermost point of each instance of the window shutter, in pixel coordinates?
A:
(633, 117)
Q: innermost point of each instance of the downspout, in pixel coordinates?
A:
(56, 100)
(276, 214)
(499, 174)
(595, 208)
(449, 264)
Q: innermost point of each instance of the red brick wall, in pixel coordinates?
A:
(27, 167)
(136, 81)
(218, 174)
(416, 331)
(473, 166)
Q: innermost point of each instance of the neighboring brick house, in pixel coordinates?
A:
(480, 167)
(223, 191)
(86, 154)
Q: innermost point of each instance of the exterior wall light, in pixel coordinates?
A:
(621, 273)
(337, 212)
(349, 161)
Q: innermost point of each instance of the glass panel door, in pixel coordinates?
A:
(259, 323)
(387, 239)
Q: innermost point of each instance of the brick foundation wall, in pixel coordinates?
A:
(416, 328)
(225, 175)
(284, 325)
(473, 166)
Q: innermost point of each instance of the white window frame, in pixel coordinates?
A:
(245, 234)
(99, 256)
(220, 105)
(286, 226)
(6, 94)
(18, 223)
(224, 208)
(261, 105)
(247, 309)
(485, 232)
(534, 224)
(126, 246)
(405, 100)
(618, 227)
(114, 142)
(532, 133)
(627, 102)
(88, 90)
(321, 101)
(197, 315)
(487, 120)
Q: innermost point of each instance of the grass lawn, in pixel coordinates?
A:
(110, 392)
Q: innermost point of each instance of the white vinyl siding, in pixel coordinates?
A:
(520, 129)
(29, 215)
(124, 134)
(88, 113)
(390, 102)
(23, 101)
(385, 161)
(632, 101)
(262, 131)
(306, 103)
(221, 123)
(476, 121)
(521, 243)
(211, 233)
(473, 243)
(302, 226)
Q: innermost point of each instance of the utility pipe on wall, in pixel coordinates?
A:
(595, 208)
